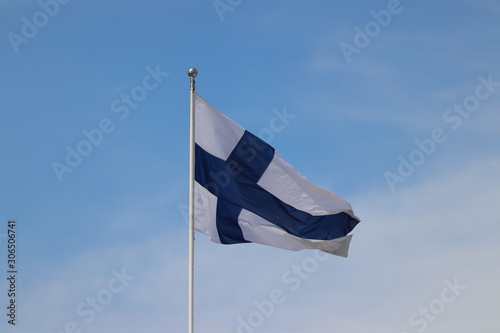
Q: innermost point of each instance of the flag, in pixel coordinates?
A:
(244, 191)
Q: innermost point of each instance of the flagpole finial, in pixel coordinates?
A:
(192, 72)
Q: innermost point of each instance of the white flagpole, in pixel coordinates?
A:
(192, 72)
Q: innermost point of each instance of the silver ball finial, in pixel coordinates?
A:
(192, 72)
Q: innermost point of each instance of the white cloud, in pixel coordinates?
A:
(408, 244)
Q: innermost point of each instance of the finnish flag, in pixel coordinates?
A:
(246, 192)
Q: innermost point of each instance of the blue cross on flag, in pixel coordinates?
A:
(246, 192)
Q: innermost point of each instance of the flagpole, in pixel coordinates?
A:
(192, 72)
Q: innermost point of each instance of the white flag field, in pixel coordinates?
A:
(246, 192)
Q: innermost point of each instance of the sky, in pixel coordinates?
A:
(393, 105)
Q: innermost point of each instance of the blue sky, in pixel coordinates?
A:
(394, 105)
